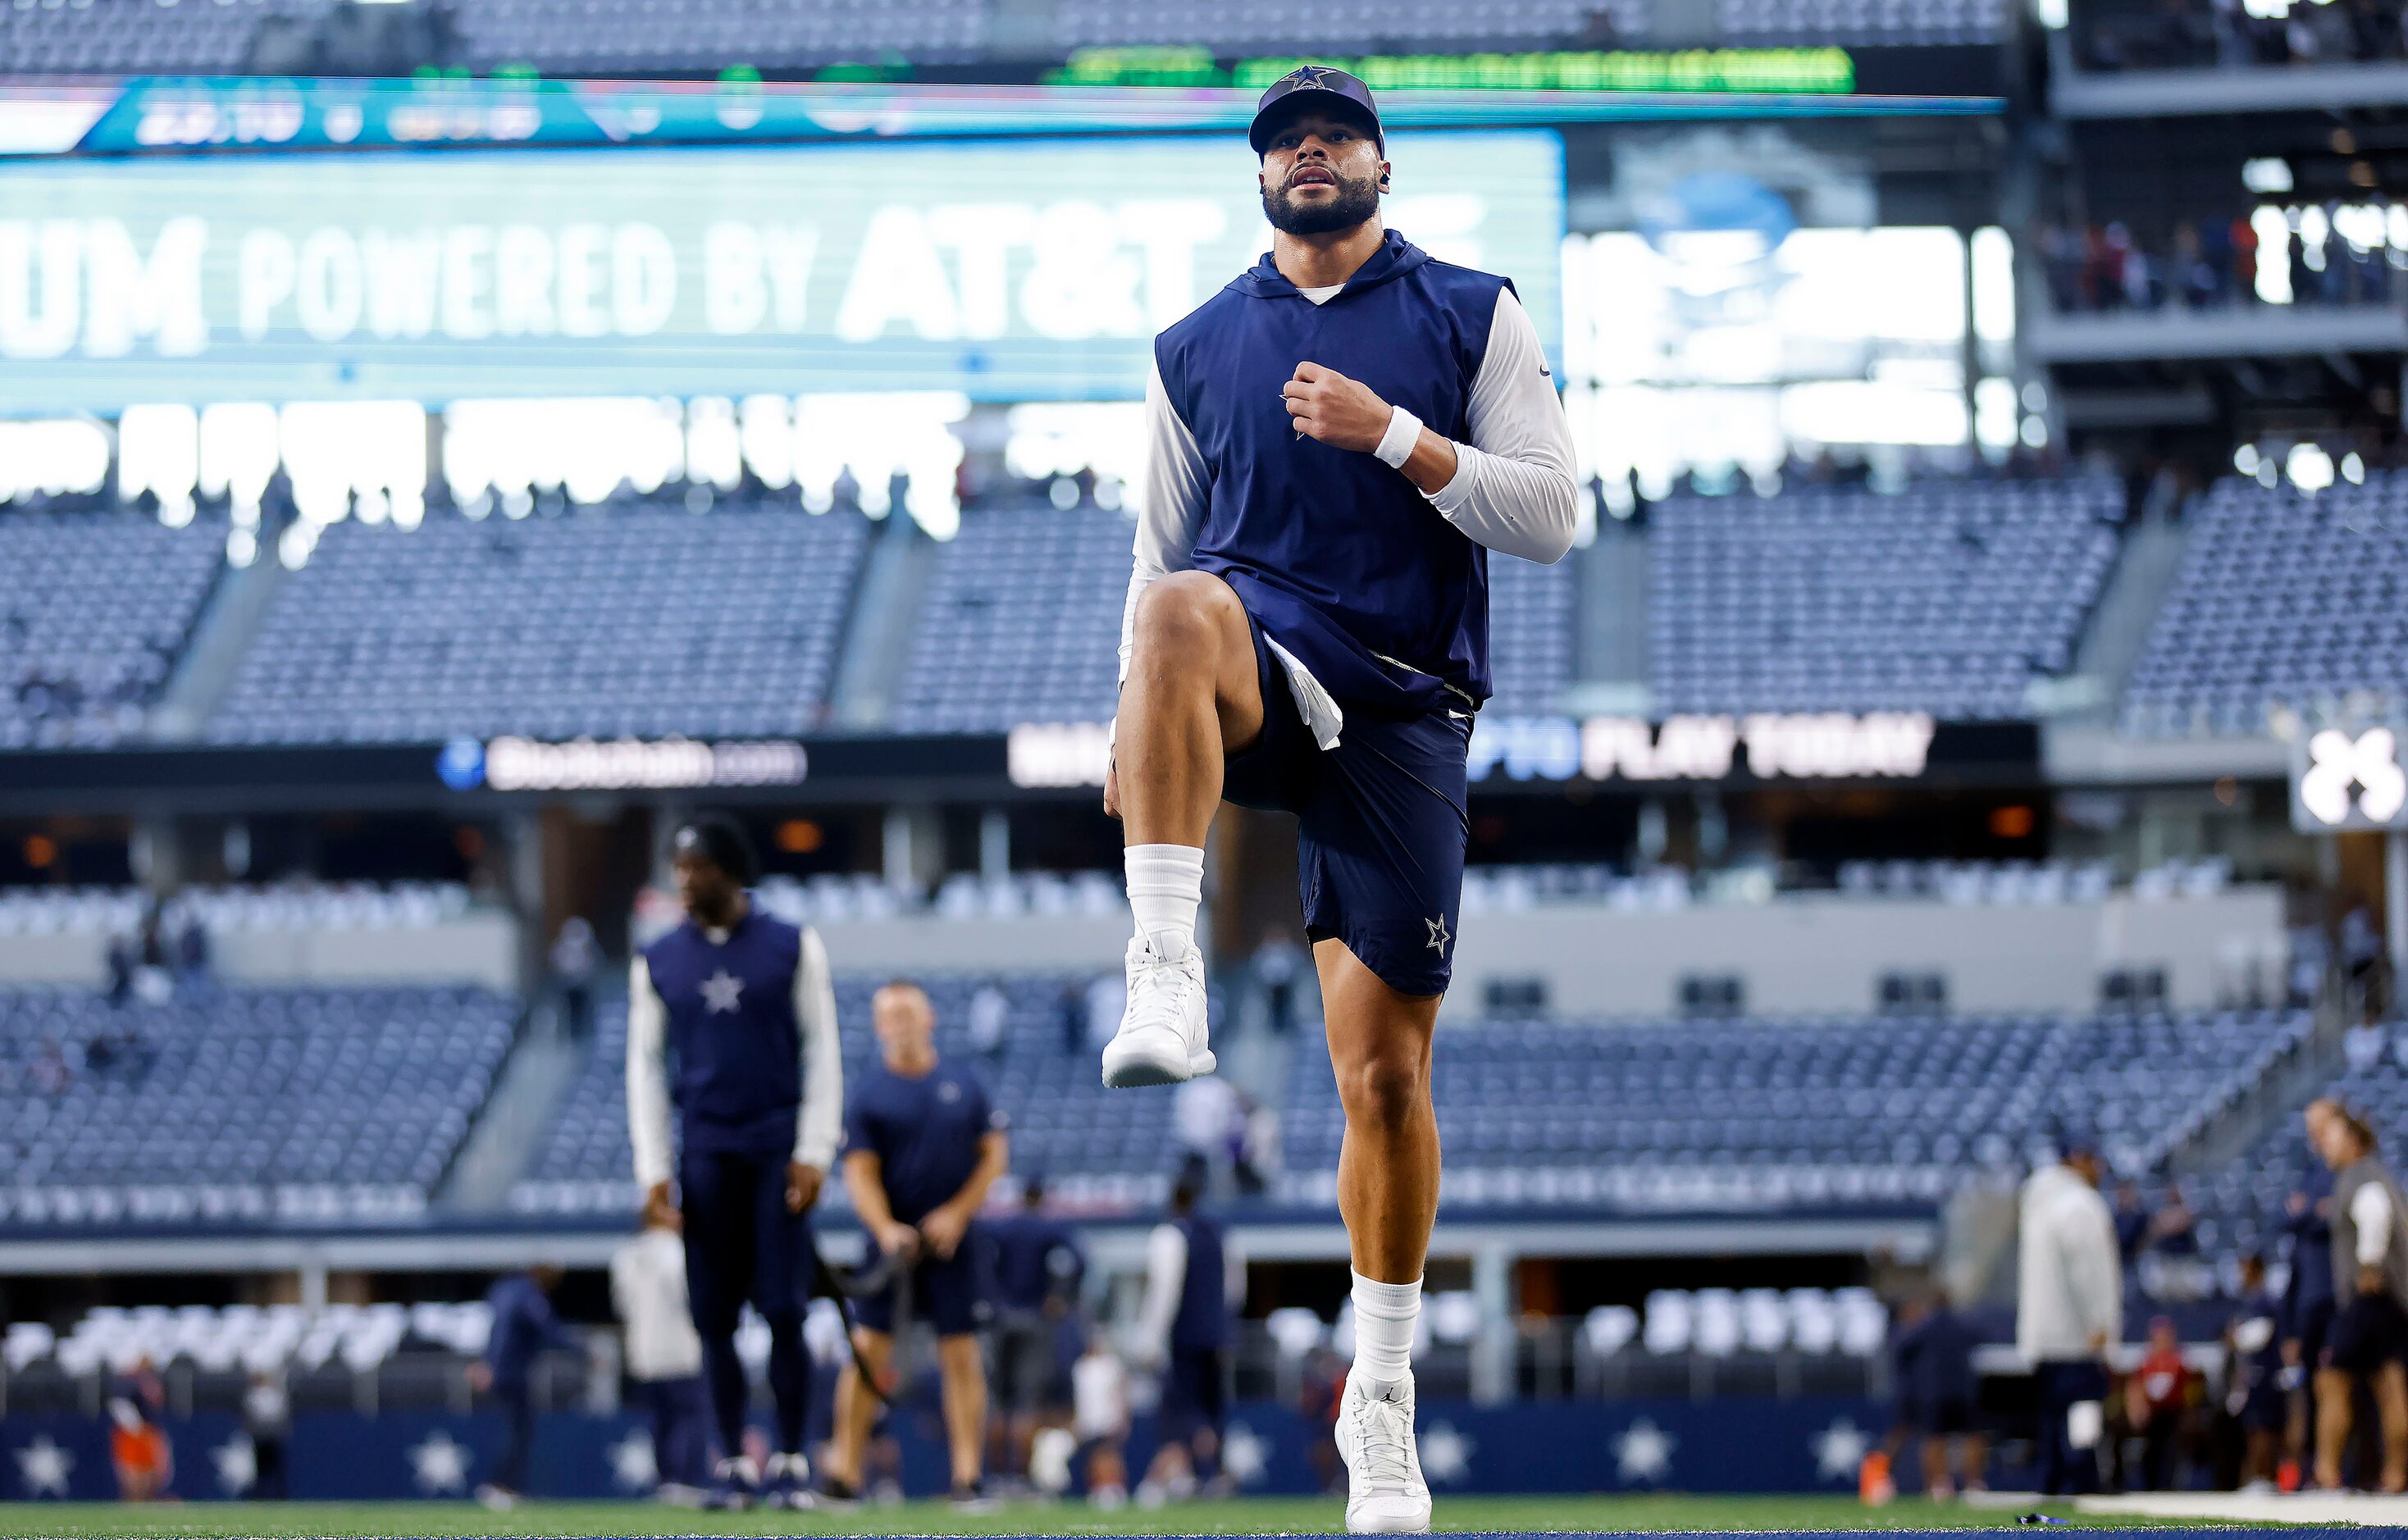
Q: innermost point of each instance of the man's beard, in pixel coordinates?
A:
(1356, 201)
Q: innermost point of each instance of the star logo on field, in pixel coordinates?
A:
(632, 1466)
(238, 1463)
(440, 1464)
(1644, 1452)
(721, 991)
(1244, 1455)
(1438, 937)
(1839, 1449)
(42, 1466)
(1446, 1454)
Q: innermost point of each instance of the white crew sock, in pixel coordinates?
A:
(1166, 886)
(1385, 1315)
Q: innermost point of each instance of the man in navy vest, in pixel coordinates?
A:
(746, 1002)
(921, 1145)
(1183, 1327)
(1338, 439)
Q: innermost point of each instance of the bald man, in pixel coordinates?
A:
(923, 1144)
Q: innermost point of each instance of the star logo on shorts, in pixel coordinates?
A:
(721, 991)
(1438, 937)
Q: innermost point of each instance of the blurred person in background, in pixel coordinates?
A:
(1322, 1390)
(2253, 1376)
(1099, 1420)
(989, 1020)
(2069, 1307)
(747, 1004)
(137, 1444)
(2156, 1396)
(1279, 965)
(575, 956)
(923, 1144)
(2370, 1333)
(1184, 1328)
(1037, 1268)
(2132, 1224)
(1206, 1113)
(2309, 1301)
(267, 1422)
(194, 978)
(523, 1326)
(664, 1356)
(1932, 1364)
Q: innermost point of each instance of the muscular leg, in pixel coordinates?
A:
(1388, 1168)
(2391, 1407)
(965, 1376)
(1192, 698)
(856, 1406)
(2334, 1413)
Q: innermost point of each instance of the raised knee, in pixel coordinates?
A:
(1183, 615)
(1383, 1092)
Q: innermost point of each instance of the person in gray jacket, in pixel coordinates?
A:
(2370, 1334)
(2069, 1307)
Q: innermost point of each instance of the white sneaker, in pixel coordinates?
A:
(1163, 1037)
(1385, 1493)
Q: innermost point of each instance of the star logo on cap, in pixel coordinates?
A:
(1305, 75)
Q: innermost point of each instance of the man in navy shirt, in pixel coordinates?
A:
(746, 1002)
(1933, 1363)
(921, 1145)
(523, 1326)
(1037, 1268)
(1184, 1328)
(1338, 439)
(2309, 1299)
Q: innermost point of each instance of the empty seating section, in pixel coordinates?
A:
(1533, 621)
(94, 610)
(1858, 22)
(1241, 26)
(603, 36)
(301, 907)
(1111, 1146)
(1950, 598)
(1022, 622)
(604, 624)
(2283, 601)
(129, 36)
(701, 38)
(250, 1105)
(1766, 1112)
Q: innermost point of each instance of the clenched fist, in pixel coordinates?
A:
(1342, 413)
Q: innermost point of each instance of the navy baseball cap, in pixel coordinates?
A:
(1309, 88)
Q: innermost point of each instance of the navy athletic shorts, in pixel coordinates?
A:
(2369, 1332)
(945, 1294)
(1381, 826)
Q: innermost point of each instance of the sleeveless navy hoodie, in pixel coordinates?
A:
(1336, 555)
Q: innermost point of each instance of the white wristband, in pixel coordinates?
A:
(1396, 444)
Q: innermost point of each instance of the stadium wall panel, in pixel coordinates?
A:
(1820, 955)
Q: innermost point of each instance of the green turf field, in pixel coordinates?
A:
(1244, 1516)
